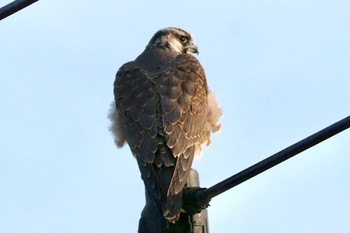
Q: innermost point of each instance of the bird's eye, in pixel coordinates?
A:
(183, 39)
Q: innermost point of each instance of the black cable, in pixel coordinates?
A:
(205, 195)
(13, 7)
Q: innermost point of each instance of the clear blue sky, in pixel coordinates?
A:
(280, 70)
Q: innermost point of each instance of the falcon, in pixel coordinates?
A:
(165, 112)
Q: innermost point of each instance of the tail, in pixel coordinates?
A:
(152, 219)
(173, 205)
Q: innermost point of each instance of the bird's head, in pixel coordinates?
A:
(175, 39)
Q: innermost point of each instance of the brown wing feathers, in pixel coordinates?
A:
(135, 101)
(183, 91)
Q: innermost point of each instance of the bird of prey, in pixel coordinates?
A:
(165, 112)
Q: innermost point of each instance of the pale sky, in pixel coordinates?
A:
(280, 71)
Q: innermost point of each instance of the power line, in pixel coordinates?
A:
(13, 7)
(203, 196)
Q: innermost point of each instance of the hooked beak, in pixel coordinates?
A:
(192, 49)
